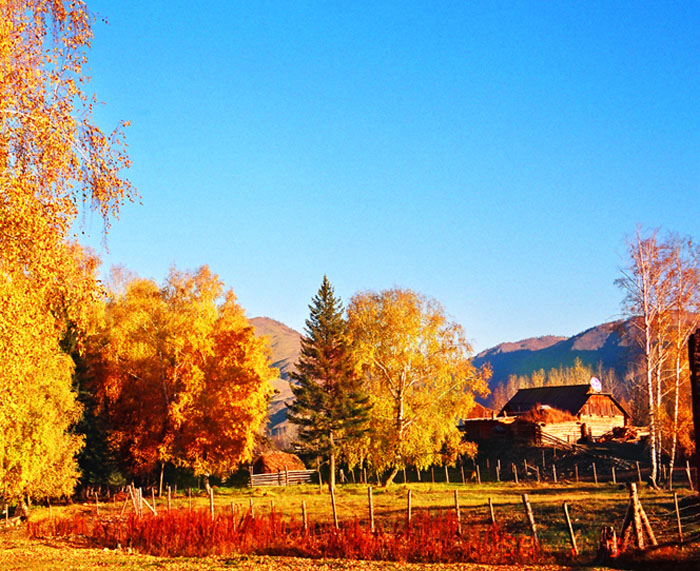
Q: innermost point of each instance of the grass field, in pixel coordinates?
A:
(591, 507)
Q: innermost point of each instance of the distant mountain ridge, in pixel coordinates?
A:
(603, 345)
(285, 344)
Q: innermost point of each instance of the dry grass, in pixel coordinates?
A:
(591, 507)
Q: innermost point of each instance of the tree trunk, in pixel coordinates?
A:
(160, 484)
(674, 433)
(652, 405)
(390, 478)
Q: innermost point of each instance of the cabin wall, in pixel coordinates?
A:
(599, 425)
(601, 414)
(600, 405)
(569, 432)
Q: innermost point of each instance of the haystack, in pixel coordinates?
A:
(271, 462)
(547, 415)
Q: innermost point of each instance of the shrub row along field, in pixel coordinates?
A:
(428, 538)
(276, 528)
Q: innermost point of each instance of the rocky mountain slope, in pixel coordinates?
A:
(284, 352)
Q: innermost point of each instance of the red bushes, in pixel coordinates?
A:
(183, 533)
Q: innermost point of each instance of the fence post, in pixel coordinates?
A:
(286, 476)
(678, 516)
(498, 470)
(530, 518)
(211, 503)
(595, 474)
(404, 474)
(637, 519)
(304, 519)
(478, 474)
(335, 513)
(639, 473)
(318, 471)
(169, 492)
(537, 470)
(153, 499)
(408, 509)
(572, 537)
(371, 508)
(614, 480)
(493, 516)
(554, 472)
(252, 509)
(515, 472)
(576, 472)
(457, 513)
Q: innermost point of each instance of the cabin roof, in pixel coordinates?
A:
(569, 398)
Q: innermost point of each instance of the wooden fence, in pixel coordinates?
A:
(281, 478)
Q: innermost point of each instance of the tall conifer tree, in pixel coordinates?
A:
(331, 407)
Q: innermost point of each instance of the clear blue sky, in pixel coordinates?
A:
(492, 155)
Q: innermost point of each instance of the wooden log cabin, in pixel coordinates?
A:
(547, 415)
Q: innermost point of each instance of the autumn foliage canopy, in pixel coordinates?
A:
(53, 162)
(180, 375)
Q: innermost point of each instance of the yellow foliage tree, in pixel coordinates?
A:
(180, 377)
(53, 159)
(38, 407)
(419, 373)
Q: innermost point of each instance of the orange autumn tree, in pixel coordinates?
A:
(53, 162)
(180, 375)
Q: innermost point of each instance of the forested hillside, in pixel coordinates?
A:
(600, 347)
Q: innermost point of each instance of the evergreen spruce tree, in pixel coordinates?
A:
(331, 407)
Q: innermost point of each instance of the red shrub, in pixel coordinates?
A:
(428, 538)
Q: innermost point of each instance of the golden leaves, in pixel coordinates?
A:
(53, 161)
(418, 370)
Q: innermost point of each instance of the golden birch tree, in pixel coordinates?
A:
(644, 286)
(53, 161)
(418, 373)
(661, 287)
(683, 262)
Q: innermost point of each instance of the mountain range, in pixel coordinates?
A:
(603, 345)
